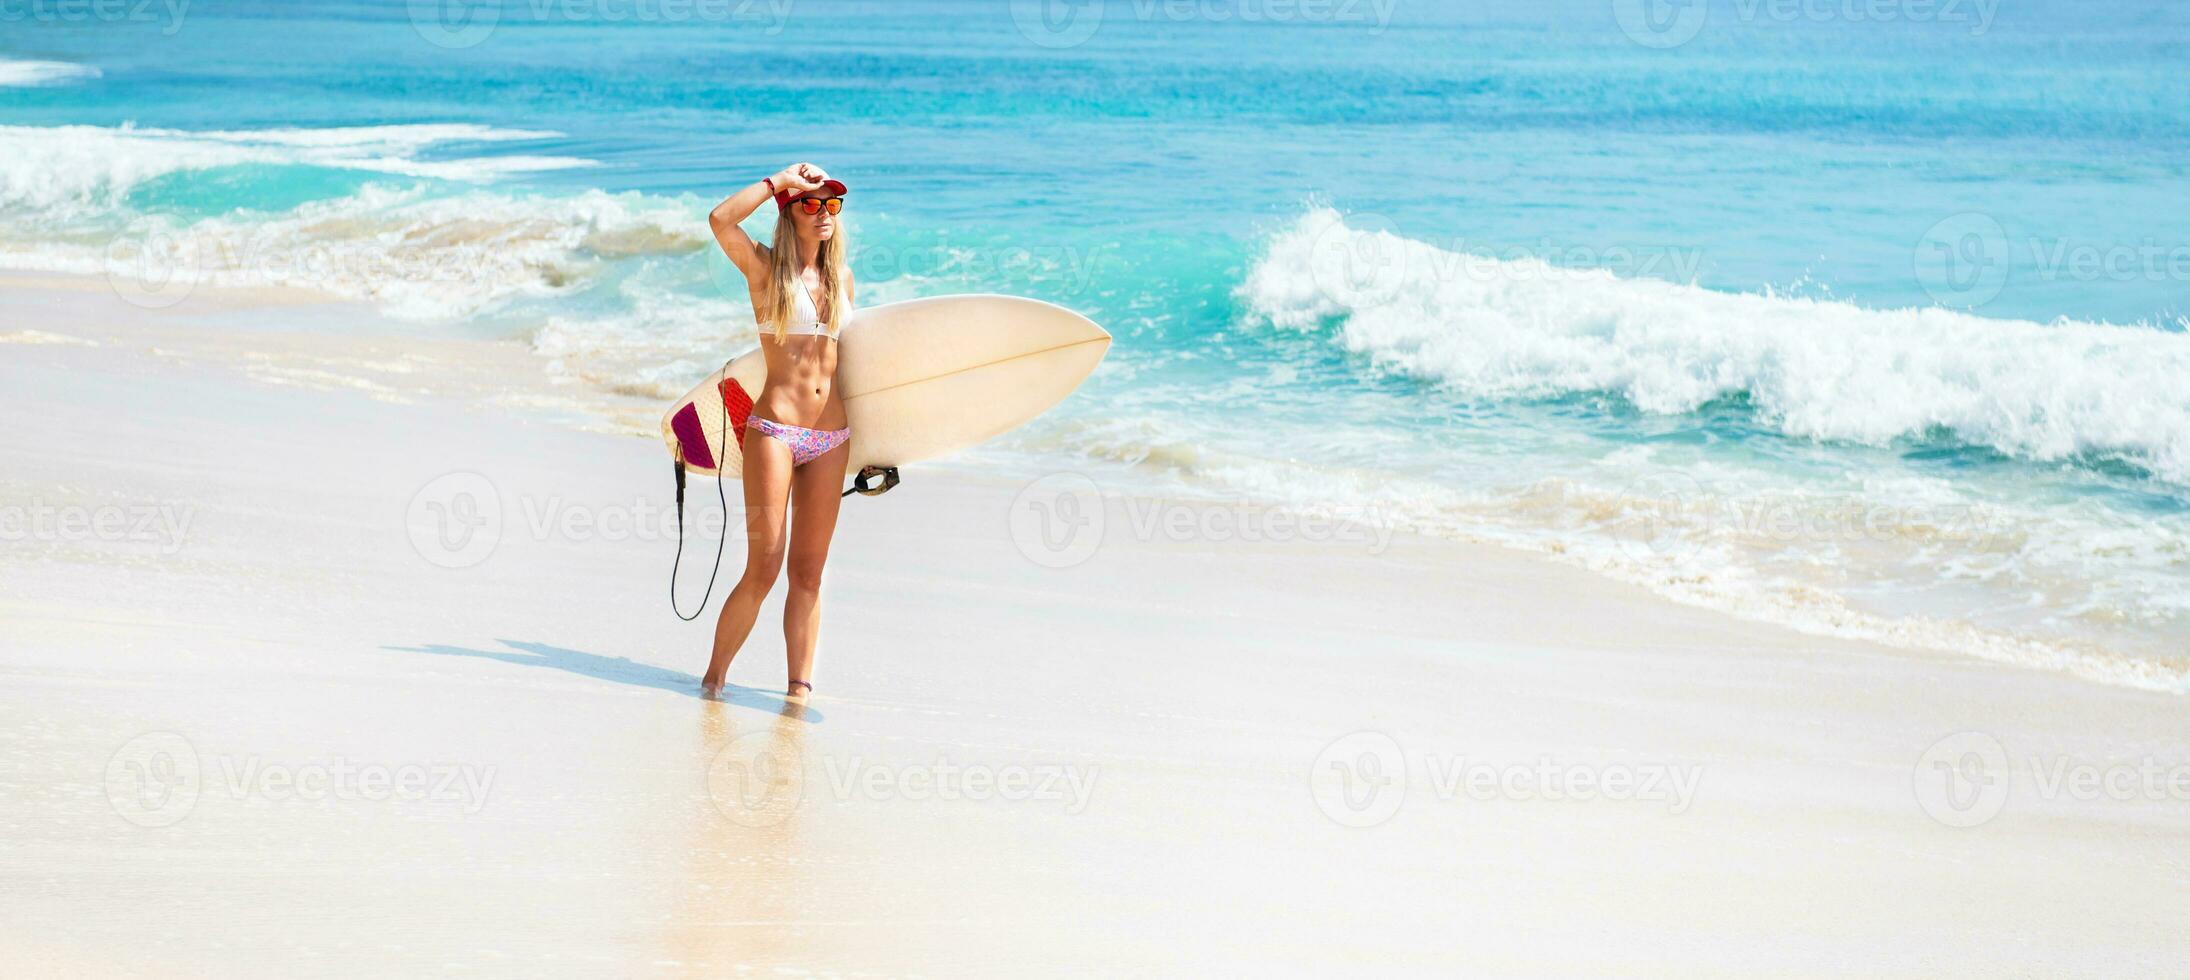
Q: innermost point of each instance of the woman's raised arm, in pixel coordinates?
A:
(748, 255)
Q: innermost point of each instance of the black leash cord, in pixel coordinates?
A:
(720, 495)
(887, 474)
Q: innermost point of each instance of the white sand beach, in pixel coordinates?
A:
(338, 652)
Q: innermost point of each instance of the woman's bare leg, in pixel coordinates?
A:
(767, 483)
(816, 490)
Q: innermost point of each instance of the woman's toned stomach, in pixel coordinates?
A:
(801, 386)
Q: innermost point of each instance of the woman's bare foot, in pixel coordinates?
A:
(710, 689)
(794, 692)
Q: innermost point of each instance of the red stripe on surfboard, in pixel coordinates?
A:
(740, 405)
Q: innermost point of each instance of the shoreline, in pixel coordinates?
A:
(1183, 719)
(386, 364)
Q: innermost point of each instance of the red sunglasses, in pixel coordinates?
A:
(813, 205)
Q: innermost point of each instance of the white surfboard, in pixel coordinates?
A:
(920, 379)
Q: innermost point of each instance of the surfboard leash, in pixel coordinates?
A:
(860, 486)
(723, 497)
(886, 474)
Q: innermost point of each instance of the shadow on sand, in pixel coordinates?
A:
(620, 670)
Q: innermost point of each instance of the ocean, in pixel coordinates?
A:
(1864, 317)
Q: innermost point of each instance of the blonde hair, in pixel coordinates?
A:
(784, 268)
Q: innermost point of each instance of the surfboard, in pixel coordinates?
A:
(920, 379)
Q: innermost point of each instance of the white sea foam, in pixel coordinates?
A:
(33, 74)
(1501, 328)
(58, 173)
(659, 347)
(413, 253)
(2104, 598)
(1880, 552)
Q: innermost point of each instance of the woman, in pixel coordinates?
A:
(795, 452)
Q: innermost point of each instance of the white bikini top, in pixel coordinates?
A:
(806, 320)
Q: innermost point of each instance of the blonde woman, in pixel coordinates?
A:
(794, 452)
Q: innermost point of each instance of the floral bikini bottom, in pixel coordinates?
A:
(806, 444)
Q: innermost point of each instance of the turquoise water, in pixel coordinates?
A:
(1866, 318)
